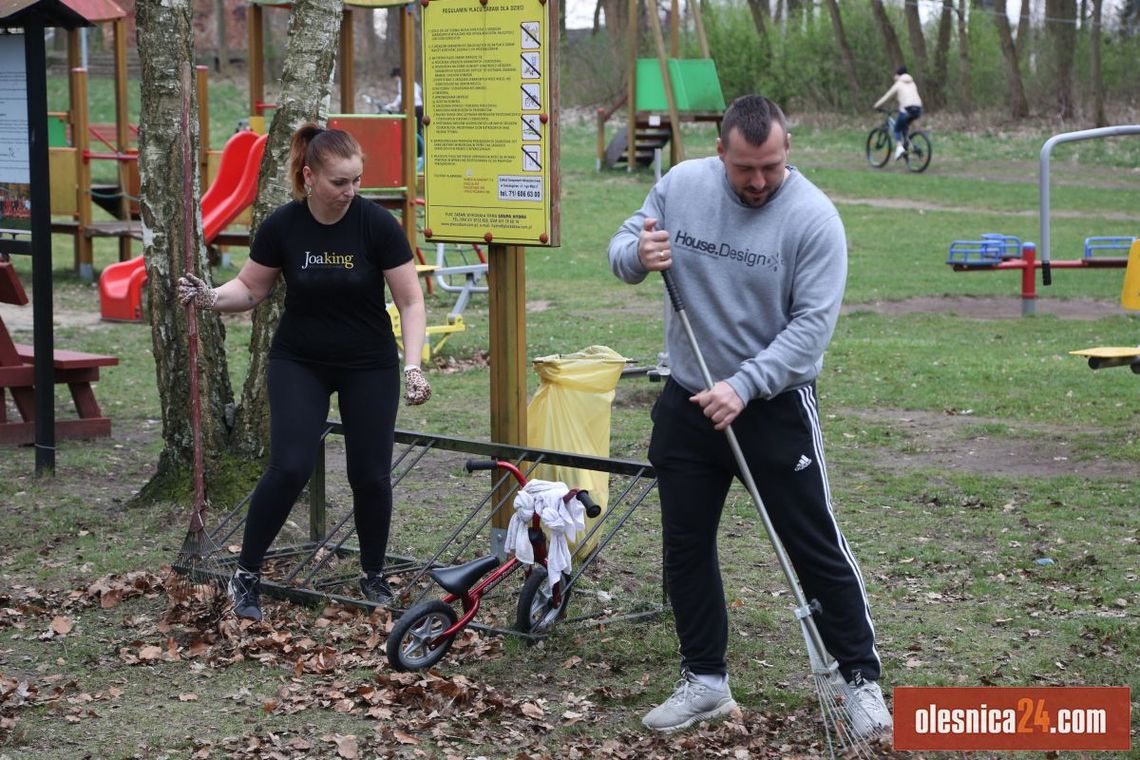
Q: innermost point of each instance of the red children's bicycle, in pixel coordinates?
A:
(424, 633)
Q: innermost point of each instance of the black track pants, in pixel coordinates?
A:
(783, 446)
(298, 408)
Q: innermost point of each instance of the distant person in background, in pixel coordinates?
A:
(905, 92)
(397, 103)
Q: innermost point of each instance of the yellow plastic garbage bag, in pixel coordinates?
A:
(570, 412)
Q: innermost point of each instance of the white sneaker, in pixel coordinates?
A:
(900, 149)
(692, 702)
(869, 713)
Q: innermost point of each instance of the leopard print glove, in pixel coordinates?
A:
(417, 390)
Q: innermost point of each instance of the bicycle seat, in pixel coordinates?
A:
(458, 579)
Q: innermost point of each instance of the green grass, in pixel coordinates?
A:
(961, 450)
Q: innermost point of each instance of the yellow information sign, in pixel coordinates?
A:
(490, 121)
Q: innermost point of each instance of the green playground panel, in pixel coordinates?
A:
(696, 85)
(57, 130)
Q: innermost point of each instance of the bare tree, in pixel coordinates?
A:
(306, 80)
(890, 39)
(844, 51)
(939, 71)
(168, 169)
(965, 97)
(1098, 116)
(759, 11)
(1061, 25)
(1018, 107)
(917, 41)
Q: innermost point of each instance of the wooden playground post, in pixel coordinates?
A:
(676, 148)
(256, 65)
(84, 258)
(702, 40)
(408, 89)
(631, 86)
(122, 131)
(345, 56)
(506, 280)
(201, 81)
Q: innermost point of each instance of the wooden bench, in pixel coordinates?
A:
(17, 376)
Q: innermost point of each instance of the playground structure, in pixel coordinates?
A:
(70, 153)
(996, 251)
(400, 196)
(121, 285)
(661, 93)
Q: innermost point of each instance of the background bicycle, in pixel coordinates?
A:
(881, 143)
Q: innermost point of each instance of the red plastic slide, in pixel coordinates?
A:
(232, 191)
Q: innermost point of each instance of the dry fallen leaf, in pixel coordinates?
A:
(61, 625)
(187, 697)
(347, 748)
(150, 652)
(531, 710)
(404, 738)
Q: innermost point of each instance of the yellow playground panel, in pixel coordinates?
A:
(1101, 357)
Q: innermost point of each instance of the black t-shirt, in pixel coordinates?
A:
(335, 311)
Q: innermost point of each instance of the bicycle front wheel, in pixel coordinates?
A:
(918, 157)
(879, 146)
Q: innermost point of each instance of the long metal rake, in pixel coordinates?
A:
(839, 709)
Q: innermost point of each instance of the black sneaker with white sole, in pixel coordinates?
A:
(375, 588)
(245, 593)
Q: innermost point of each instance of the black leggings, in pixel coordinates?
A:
(783, 446)
(298, 409)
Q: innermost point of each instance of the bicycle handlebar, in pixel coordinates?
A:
(592, 509)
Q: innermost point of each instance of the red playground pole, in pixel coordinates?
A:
(1029, 279)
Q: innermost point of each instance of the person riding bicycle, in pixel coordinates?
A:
(905, 92)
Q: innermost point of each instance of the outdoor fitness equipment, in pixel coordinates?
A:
(881, 144)
(660, 93)
(837, 705)
(424, 633)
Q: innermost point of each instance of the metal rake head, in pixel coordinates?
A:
(199, 570)
(841, 714)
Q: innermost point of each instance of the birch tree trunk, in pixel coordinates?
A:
(1018, 107)
(306, 81)
(168, 158)
(845, 52)
(890, 39)
(1024, 34)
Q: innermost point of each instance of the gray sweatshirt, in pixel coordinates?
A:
(761, 286)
